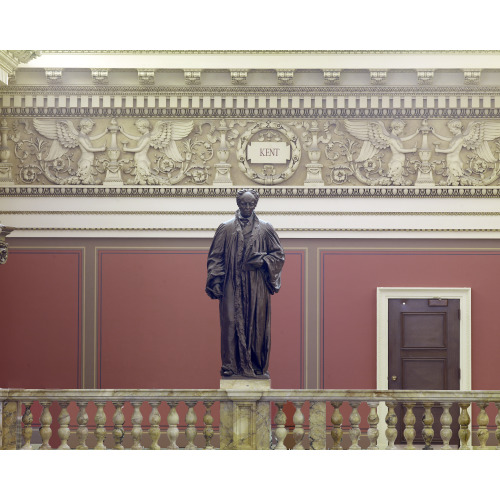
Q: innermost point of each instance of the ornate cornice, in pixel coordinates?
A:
(410, 90)
(254, 113)
(10, 60)
(305, 213)
(384, 52)
(230, 192)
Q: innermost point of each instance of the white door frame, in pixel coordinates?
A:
(383, 296)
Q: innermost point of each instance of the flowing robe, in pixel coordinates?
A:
(245, 307)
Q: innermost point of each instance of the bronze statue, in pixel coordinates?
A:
(244, 270)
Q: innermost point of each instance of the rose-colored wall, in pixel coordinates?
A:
(349, 280)
(40, 319)
(153, 325)
(157, 328)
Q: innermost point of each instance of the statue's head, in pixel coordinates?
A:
(143, 124)
(86, 124)
(246, 200)
(397, 126)
(455, 126)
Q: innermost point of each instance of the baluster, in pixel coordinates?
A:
(137, 426)
(64, 420)
(82, 431)
(409, 421)
(482, 421)
(391, 420)
(173, 422)
(497, 422)
(154, 428)
(27, 429)
(354, 432)
(191, 426)
(100, 430)
(45, 430)
(373, 420)
(464, 421)
(446, 420)
(118, 420)
(337, 432)
(427, 431)
(208, 431)
(298, 420)
(280, 421)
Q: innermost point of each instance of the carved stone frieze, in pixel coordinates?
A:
(272, 191)
(353, 151)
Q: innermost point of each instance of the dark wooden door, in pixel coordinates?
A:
(424, 354)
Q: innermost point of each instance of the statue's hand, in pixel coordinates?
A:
(217, 289)
(256, 260)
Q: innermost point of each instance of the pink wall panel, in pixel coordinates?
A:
(349, 280)
(286, 366)
(157, 328)
(41, 298)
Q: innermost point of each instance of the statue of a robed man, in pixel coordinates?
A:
(244, 270)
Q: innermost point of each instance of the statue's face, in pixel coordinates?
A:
(247, 204)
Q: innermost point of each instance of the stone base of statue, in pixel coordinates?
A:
(245, 420)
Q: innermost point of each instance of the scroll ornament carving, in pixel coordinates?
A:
(350, 152)
(366, 160)
(52, 156)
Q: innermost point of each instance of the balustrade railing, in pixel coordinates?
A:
(200, 419)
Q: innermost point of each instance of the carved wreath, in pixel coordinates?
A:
(265, 178)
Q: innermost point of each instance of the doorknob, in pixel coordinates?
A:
(394, 378)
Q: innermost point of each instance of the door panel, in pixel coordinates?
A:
(424, 354)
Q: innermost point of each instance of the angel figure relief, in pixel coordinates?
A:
(161, 136)
(475, 139)
(65, 136)
(376, 137)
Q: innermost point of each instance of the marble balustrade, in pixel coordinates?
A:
(295, 419)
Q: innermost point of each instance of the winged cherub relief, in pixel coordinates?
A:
(474, 138)
(376, 137)
(65, 136)
(161, 137)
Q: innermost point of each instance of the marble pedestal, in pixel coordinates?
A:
(245, 420)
